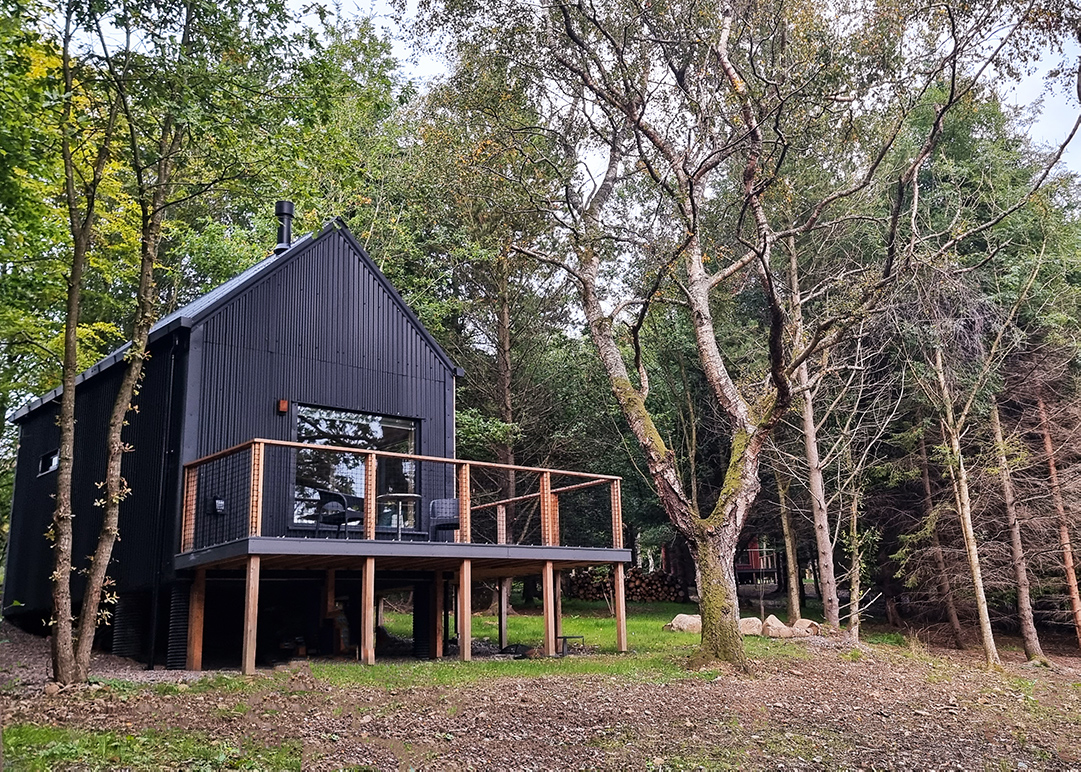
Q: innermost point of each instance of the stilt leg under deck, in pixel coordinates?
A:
(329, 609)
(465, 611)
(548, 596)
(251, 615)
(557, 590)
(196, 603)
(504, 607)
(436, 629)
(621, 608)
(367, 612)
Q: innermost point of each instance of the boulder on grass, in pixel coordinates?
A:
(810, 626)
(775, 628)
(750, 626)
(685, 623)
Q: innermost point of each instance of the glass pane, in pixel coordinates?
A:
(323, 474)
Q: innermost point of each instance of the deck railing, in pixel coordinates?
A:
(290, 489)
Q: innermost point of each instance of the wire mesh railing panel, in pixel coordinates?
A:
(284, 489)
(222, 500)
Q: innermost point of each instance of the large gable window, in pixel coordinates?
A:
(330, 484)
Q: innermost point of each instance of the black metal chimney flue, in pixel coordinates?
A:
(283, 210)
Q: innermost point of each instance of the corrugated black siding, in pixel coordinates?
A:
(321, 329)
(30, 557)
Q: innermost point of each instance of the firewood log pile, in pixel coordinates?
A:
(641, 586)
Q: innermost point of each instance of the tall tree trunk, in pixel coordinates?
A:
(944, 588)
(816, 483)
(1029, 637)
(63, 646)
(951, 428)
(505, 450)
(959, 475)
(712, 539)
(80, 191)
(827, 579)
(854, 588)
(714, 558)
(791, 560)
(154, 183)
(1063, 524)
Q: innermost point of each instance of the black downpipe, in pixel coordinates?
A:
(159, 527)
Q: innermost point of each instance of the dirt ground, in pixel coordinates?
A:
(839, 707)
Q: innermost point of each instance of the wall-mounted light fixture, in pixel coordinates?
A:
(283, 406)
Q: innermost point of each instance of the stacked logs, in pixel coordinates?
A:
(642, 587)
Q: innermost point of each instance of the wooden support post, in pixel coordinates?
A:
(620, 599)
(554, 514)
(436, 622)
(329, 609)
(251, 615)
(546, 508)
(620, 602)
(465, 611)
(369, 496)
(557, 588)
(504, 608)
(187, 527)
(367, 612)
(548, 596)
(379, 604)
(465, 527)
(328, 593)
(196, 604)
(617, 516)
(450, 597)
(256, 523)
(501, 524)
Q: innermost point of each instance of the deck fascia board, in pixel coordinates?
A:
(327, 548)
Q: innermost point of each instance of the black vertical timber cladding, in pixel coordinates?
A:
(320, 326)
(319, 330)
(137, 553)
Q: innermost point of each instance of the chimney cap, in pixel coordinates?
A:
(283, 208)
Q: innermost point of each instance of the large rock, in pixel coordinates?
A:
(750, 626)
(809, 626)
(775, 628)
(685, 623)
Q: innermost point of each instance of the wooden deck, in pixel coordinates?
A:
(229, 537)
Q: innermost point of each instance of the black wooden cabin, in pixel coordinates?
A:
(295, 428)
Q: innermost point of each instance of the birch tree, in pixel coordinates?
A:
(679, 129)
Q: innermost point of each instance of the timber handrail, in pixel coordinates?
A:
(391, 454)
(554, 491)
(548, 496)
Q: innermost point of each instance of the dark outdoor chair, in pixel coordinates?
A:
(338, 509)
(443, 520)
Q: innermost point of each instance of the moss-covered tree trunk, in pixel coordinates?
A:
(719, 604)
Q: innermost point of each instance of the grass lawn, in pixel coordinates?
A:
(656, 656)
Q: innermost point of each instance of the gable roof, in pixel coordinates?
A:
(203, 306)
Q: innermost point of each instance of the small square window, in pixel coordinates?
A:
(49, 462)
